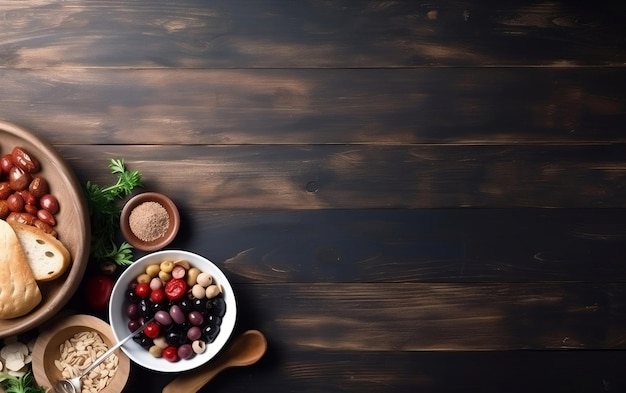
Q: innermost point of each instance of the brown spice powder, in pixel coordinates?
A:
(149, 221)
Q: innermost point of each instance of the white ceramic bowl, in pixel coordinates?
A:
(119, 321)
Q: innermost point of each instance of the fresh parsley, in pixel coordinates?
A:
(105, 214)
(24, 384)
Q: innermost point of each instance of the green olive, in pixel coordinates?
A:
(144, 279)
(167, 266)
(153, 270)
(192, 276)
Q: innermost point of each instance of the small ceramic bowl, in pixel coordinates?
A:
(47, 350)
(119, 319)
(146, 211)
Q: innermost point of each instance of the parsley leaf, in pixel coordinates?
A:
(24, 384)
(105, 214)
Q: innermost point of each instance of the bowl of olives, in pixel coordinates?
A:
(187, 304)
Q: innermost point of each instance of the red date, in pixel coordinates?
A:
(29, 198)
(25, 160)
(5, 190)
(38, 186)
(19, 179)
(45, 227)
(47, 217)
(21, 218)
(50, 203)
(24, 196)
(16, 203)
(31, 209)
(4, 209)
(6, 162)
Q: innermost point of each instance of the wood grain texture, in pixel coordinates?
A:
(345, 371)
(442, 317)
(275, 34)
(419, 245)
(365, 176)
(408, 195)
(505, 106)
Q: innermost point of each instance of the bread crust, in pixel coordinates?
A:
(19, 292)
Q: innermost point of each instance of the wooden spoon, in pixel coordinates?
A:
(245, 350)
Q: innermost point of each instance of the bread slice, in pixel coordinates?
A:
(19, 292)
(47, 256)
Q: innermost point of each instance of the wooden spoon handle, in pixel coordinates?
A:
(194, 380)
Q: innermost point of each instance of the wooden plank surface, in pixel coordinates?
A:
(274, 34)
(407, 195)
(366, 176)
(419, 245)
(367, 106)
(443, 317)
(510, 371)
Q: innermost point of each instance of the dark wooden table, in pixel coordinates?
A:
(407, 195)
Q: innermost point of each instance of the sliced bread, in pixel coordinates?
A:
(47, 256)
(19, 292)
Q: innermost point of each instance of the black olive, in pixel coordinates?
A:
(198, 304)
(158, 307)
(219, 306)
(131, 296)
(210, 332)
(213, 320)
(186, 305)
(174, 337)
(208, 307)
(183, 327)
(143, 340)
(145, 309)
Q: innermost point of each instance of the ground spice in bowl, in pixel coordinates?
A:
(149, 221)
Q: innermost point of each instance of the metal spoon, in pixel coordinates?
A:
(245, 350)
(75, 385)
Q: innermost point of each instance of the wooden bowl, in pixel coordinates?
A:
(73, 226)
(160, 242)
(47, 345)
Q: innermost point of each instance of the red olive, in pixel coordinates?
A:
(50, 203)
(170, 354)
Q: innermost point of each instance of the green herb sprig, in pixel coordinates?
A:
(23, 384)
(105, 214)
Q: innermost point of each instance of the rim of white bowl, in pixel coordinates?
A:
(139, 355)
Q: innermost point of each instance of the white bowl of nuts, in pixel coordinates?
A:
(192, 305)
